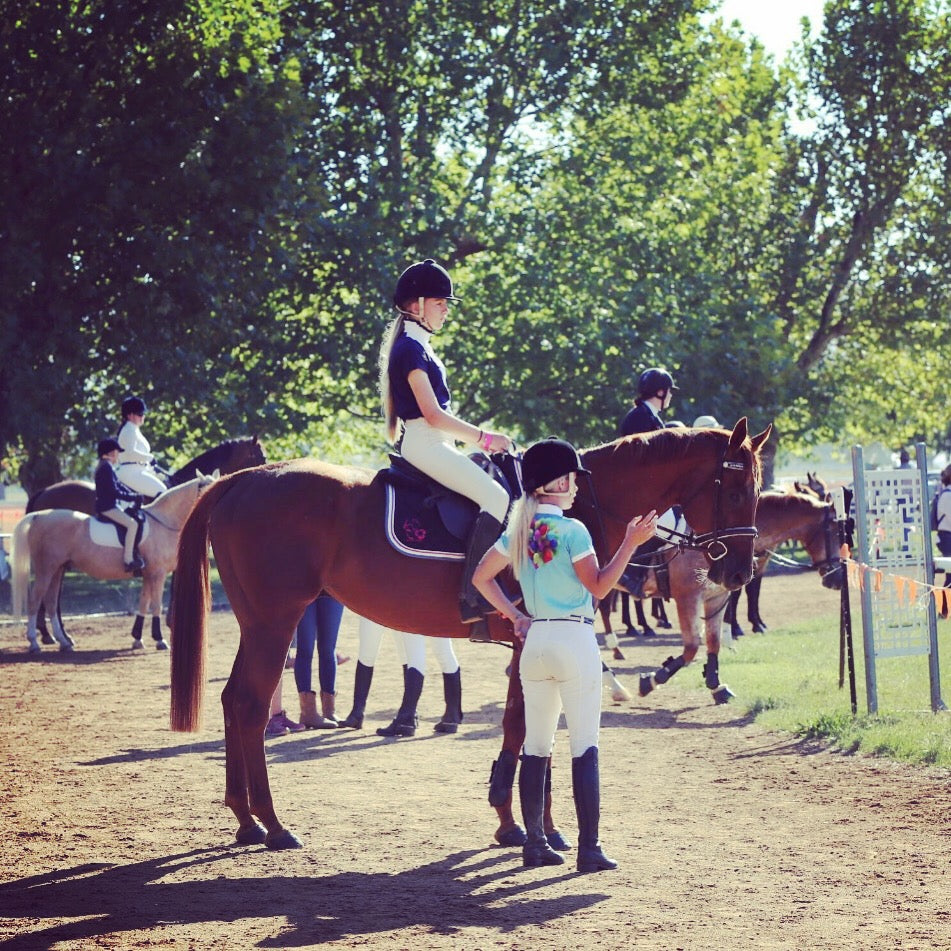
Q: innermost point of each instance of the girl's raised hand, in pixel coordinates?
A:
(641, 528)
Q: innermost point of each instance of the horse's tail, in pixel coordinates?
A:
(20, 566)
(191, 599)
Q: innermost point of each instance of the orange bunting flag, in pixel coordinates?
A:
(877, 578)
(912, 590)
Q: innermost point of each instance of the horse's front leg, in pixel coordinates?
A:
(502, 777)
(51, 602)
(688, 613)
(154, 586)
(711, 669)
(246, 701)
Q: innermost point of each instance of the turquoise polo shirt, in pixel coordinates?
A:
(549, 583)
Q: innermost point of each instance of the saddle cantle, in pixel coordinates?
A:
(424, 519)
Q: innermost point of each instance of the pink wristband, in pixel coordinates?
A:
(486, 441)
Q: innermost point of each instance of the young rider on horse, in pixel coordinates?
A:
(109, 492)
(655, 390)
(135, 458)
(553, 557)
(415, 393)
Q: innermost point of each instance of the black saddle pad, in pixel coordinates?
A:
(424, 519)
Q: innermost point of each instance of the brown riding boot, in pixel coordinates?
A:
(309, 716)
(327, 707)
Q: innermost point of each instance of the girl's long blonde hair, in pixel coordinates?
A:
(520, 522)
(392, 334)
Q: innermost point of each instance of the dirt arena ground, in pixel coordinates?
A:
(114, 835)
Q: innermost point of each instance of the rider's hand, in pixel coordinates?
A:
(497, 442)
(641, 528)
(521, 624)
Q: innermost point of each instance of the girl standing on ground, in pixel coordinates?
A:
(553, 559)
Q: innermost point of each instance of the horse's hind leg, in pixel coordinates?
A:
(752, 605)
(502, 777)
(646, 629)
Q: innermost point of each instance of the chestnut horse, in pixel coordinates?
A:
(53, 539)
(284, 532)
(80, 496)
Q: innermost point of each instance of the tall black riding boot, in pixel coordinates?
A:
(531, 791)
(361, 690)
(485, 532)
(452, 689)
(406, 722)
(586, 785)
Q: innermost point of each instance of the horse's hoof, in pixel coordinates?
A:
(515, 836)
(618, 655)
(137, 644)
(251, 835)
(445, 727)
(36, 649)
(47, 638)
(161, 645)
(557, 841)
(630, 632)
(723, 694)
(283, 840)
(759, 628)
(646, 685)
(66, 648)
(648, 632)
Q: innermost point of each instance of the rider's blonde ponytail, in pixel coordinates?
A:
(520, 531)
(392, 334)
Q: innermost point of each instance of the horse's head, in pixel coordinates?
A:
(247, 453)
(721, 506)
(822, 543)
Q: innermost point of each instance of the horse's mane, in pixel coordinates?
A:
(664, 445)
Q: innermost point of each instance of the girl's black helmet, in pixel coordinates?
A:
(425, 279)
(132, 404)
(653, 380)
(548, 460)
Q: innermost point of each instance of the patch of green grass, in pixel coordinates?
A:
(789, 680)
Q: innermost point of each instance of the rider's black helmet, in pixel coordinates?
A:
(107, 445)
(548, 460)
(425, 279)
(653, 380)
(132, 404)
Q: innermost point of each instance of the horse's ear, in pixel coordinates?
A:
(738, 436)
(758, 441)
(216, 475)
(199, 474)
(798, 485)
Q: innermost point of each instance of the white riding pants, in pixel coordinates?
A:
(140, 479)
(561, 669)
(411, 648)
(432, 451)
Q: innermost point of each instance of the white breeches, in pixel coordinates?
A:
(432, 451)
(411, 648)
(561, 669)
(140, 479)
